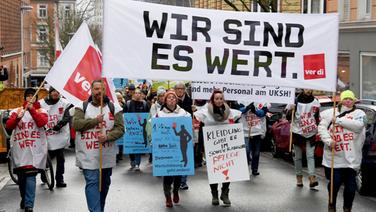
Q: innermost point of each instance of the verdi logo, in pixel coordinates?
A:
(314, 66)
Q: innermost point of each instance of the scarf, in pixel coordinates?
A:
(219, 113)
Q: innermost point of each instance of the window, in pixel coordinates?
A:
(368, 75)
(344, 10)
(42, 10)
(343, 71)
(67, 11)
(364, 9)
(42, 59)
(42, 33)
(255, 6)
(313, 6)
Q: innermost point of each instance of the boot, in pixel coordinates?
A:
(176, 198)
(312, 181)
(299, 180)
(331, 208)
(168, 202)
(346, 209)
(215, 200)
(224, 197)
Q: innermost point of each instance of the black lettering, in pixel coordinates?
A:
(268, 29)
(155, 56)
(236, 61)
(203, 30)
(236, 32)
(284, 56)
(179, 22)
(288, 42)
(252, 30)
(179, 57)
(216, 63)
(155, 26)
(265, 64)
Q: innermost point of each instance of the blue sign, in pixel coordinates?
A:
(120, 83)
(172, 146)
(135, 136)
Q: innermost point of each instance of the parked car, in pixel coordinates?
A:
(366, 179)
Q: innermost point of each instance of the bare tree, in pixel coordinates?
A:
(266, 5)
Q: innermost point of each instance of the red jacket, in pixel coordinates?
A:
(40, 119)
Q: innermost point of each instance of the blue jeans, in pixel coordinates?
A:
(310, 155)
(184, 179)
(252, 145)
(26, 185)
(347, 177)
(95, 199)
(135, 159)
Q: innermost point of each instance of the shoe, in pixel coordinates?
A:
(312, 181)
(215, 200)
(131, 168)
(346, 209)
(61, 185)
(22, 204)
(184, 186)
(137, 168)
(331, 208)
(28, 209)
(299, 180)
(176, 198)
(224, 197)
(169, 202)
(255, 173)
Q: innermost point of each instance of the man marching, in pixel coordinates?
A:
(58, 134)
(94, 129)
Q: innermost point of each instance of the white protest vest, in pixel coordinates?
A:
(87, 145)
(304, 121)
(349, 143)
(28, 142)
(60, 139)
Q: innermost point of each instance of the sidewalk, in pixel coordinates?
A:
(4, 175)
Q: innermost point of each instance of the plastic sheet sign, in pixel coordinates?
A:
(160, 42)
(226, 159)
(172, 146)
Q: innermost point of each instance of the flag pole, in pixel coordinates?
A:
(292, 120)
(332, 149)
(100, 143)
(36, 93)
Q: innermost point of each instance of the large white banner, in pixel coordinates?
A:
(154, 41)
(226, 159)
(249, 93)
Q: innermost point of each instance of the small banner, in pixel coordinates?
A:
(226, 158)
(172, 146)
(135, 136)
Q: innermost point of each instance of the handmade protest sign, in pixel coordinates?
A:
(226, 158)
(172, 146)
(155, 41)
(236, 91)
(135, 136)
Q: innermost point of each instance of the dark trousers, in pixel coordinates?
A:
(168, 181)
(347, 177)
(254, 149)
(214, 187)
(198, 150)
(60, 160)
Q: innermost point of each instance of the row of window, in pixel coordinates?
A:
(43, 10)
(364, 8)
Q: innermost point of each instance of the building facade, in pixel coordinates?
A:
(10, 40)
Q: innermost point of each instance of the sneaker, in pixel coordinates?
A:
(184, 186)
(131, 168)
(176, 198)
(28, 209)
(61, 185)
(255, 173)
(137, 168)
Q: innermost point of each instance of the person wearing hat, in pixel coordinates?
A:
(58, 132)
(129, 92)
(344, 135)
(28, 145)
(170, 108)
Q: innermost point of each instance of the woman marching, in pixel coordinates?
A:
(170, 108)
(217, 112)
(348, 131)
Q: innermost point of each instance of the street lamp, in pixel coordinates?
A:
(24, 8)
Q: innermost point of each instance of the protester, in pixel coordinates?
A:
(170, 108)
(129, 92)
(254, 128)
(97, 128)
(304, 129)
(198, 134)
(121, 100)
(185, 102)
(29, 153)
(136, 105)
(58, 132)
(349, 132)
(217, 112)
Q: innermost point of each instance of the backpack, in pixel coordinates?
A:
(110, 105)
